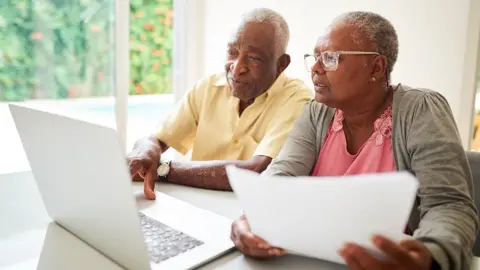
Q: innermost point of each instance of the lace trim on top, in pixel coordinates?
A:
(382, 126)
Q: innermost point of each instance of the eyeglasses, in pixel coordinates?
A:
(329, 60)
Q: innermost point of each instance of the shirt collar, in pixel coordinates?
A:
(222, 80)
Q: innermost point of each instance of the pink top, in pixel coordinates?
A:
(375, 155)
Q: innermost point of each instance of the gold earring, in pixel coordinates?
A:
(373, 79)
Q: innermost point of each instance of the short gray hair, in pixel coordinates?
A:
(269, 16)
(376, 29)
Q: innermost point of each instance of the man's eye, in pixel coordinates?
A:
(254, 58)
(232, 53)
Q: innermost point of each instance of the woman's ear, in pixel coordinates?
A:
(282, 63)
(379, 67)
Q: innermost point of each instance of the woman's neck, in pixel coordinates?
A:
(364, 112)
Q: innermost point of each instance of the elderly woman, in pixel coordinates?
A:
(360, 123)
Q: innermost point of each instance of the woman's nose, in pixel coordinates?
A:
(317, 68)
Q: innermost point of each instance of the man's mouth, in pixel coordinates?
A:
(236, 82)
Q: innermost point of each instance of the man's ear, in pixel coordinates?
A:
(282, 63)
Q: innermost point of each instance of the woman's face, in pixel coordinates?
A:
(352, 78)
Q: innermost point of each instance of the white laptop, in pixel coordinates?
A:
(84, 182)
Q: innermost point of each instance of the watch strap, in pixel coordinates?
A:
(162, 179)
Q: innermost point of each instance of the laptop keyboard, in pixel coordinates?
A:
(163, 242)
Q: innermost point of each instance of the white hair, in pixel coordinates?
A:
(268, 16)
(376, 29)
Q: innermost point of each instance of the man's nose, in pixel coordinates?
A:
(238, 67)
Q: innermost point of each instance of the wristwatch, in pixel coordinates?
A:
(163, 169)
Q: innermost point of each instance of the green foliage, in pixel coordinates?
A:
(151, 39)
(65, 48)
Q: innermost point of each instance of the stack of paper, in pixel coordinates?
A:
(316, 216)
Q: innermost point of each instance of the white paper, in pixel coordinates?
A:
(316, 216)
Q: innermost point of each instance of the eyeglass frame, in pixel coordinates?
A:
(336, 54)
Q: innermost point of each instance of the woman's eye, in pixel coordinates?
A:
(329, 58)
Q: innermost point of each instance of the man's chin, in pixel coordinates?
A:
(238, 93)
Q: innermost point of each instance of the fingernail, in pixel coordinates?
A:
(274, 252)
(151, 195)
(347, 249)
(262, 245)
(376, 239)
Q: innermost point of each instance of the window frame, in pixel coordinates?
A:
(187, 62)
(122, 68)
(467, 93)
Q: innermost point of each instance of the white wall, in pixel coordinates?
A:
(438, 40)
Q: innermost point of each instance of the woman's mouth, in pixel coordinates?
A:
(320, 87)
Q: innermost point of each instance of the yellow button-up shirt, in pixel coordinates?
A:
(208, 123)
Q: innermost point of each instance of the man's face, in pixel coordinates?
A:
(252, 63)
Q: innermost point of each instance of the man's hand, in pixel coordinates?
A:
(409, 254)
(249, 244)
(143, 162)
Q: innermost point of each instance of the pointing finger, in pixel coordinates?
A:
(149, 184)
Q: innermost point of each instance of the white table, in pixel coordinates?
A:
(50, 247)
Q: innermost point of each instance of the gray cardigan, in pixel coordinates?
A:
(426, 143)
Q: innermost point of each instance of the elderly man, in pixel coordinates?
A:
(240, 117)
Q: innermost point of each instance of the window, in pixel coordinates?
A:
(56, 55)
(476, 117)
(166, 51)
(103, 61)
(151, 52)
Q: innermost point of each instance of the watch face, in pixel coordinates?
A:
(162, 170)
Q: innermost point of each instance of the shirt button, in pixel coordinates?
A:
(235, 141)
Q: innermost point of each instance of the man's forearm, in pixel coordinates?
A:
(151, 142)
(210, 174)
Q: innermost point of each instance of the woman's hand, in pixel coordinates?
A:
(409, 254)
(249, 244)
